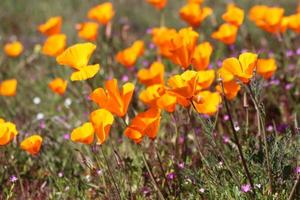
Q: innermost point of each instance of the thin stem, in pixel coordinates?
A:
(152, 177)
(261, 125)
(110, 173)
(294, 189)
(162, 169)
(19, 178)
(236, 139)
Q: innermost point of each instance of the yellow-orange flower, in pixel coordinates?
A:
(32, 144)
(145, 123)
(51, 27)
(205, 79)
(8, 87)
(268, 18)
(196, 1)
(54, 45)
(102, 121)
(234, 15)
(151, 94)
(209, 104)
(88, 30)
(231, 87)
(102, 13)
(293, 22)
(226, 33)
(7, 132)
(158, 4)
(153, 75)
(129, 56)
(77, 57)
(112, 98)
(193, 14)
(182, 47)
(184, 84)
(266, 67)
(243, 67)
(13, 49)
(201, 56)
(83, 134)
(167, 102)
(58, 86)
(161, 37)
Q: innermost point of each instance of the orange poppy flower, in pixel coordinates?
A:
(145, 123)
(8, 87)
(234, 15)
(231, 89)
(102, 121)
(209, 104)
(112, 98)
(193, 14)
(266, 67)
(226, 33)
(129, 56)
(205, 79)
(153, 75)
(32, 144)
(102, 13)
(77, 57)
(201, 56)
(151, 94)
(7, 132)
(13, 49)
(58, 86)
(51, 27)
(184, 85)
(88, 30)
(158, 4)
(196, 1)
(182, 47)
(267, 18)
(243, 67)
(167, 102)
(293, 22)
(83, 134)
(161, 37)
(55, 45)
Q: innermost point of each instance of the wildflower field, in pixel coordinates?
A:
(149, 99)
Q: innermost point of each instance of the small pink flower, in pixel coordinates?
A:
(13, 179)
(226, 139)
(226, 117)
(66, 136)
(246, 188)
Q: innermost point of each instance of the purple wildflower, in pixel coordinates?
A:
(181, 165)
(125, 78)
(288, 86)
(226, 118)
(226, 139)
(298, 170)
(13, 179)
(171, 176)
(289, 53)
(246, 188)
(66, 136)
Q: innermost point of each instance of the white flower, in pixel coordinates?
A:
(68, 102)
(40, 116)
(36, 100)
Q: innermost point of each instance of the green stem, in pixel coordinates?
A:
(110, 173)
(154, 183)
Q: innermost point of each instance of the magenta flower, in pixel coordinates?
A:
(246, 188)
